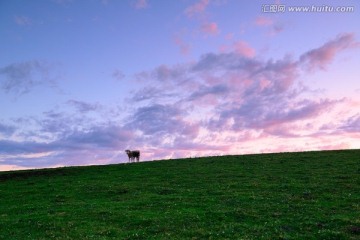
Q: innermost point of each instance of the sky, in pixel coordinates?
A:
(82, 81)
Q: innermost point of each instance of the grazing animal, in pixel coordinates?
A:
(134, 156)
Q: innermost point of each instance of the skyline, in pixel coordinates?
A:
(81, 81)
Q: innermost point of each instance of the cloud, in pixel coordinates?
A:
(22, 21)
(276, 122)
(264, 21)
(244, 93)
(198, 11)
(268, 114)
(14, 147)
(197, 8)
(277, 28)
(239, 47)
(11, 167)
(21, 78)
(319, 58)
(165, 74)
(184, 147)
(6, 130)
(216, 76)
(210, 28)
(62, 2)
(104, 2)
(83, 107)
(118, 75)
(96, 144)
(351, 124)
(104, 136)
(337, 146)
(205, 90)
(229, 61)
(141, 4)
(243, 48)
(261, 96)
(183, 46)
(158, 119)
(56, 123)
(302, 110)
(220, 103)
(151, 93)
(274, 26)
(104, 143)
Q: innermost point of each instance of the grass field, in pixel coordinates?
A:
(311, 195)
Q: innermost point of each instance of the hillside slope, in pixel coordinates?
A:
(311, 195)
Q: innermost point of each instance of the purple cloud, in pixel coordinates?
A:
(20, 78)
(151, 93)
(58, 123)
(23, 147)
(6, 130)
(157, 119)
(206, 90)
(227, 61)
(118, 75)
(197, 108)
(84, 107)
(351, 124)
(244, 93)
(108, 136)
(319, 58)
(98, 142)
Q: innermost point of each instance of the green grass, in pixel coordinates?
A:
(311, 195)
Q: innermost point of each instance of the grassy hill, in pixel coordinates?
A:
(311, 195)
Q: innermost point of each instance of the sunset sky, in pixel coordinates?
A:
(81, 81)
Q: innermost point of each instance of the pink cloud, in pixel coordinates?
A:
(263, 21)
(273, 27)
(11, 168)
(244, 49)
(240, 47)
(196, 8)
(319, 58)
(221, 103)
(229, 36)
(210, 28)
(140, 4)
(336, 146)
(183, 46)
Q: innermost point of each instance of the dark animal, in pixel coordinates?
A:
(134, 156)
